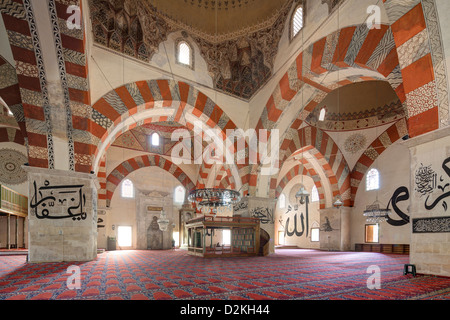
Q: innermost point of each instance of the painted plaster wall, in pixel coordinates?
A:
(394, 168)
(125, 212)
(283, 214)
(430, 180)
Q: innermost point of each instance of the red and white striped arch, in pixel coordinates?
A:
(394, 133)
(326, 154)
(303, 169)
(151, 101)
(125, 168)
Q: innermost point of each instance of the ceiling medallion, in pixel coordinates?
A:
(11, 171)
(214, 201)
(355, 143)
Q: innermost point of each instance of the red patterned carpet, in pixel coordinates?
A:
(153, 275)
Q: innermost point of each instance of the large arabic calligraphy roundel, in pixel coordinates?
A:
(11, 171)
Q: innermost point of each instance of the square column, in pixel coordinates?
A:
(62, 215)
(335, 229)
(429, 202)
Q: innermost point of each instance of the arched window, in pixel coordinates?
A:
(127, 189)
(155, 139)
(179, 194)
(282, 201)
(184, 54)
(297, 21)
(322, 115)
(373, 180)
(314, 194)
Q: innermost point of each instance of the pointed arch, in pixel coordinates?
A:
(327, 154)
(143, 102)
(125, 168)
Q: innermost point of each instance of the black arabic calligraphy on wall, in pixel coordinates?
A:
(47, 201)
(427, 182)
(304, 222)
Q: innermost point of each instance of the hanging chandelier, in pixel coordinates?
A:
(375, 214)
(214, 201)
(302, 195)
(163, 221)
(338, 202)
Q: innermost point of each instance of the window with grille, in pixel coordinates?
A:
(155, 139)
(282, 201)
(184, 54)
(179, 194)
(373, 180)
(297, 21)
(127, 189)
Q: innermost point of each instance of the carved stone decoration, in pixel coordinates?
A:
(331, 4)
(119, 26)
(239, 62)
(242, 65)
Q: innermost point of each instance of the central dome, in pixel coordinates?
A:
(219, 16)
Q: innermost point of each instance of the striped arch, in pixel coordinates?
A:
(328, 155)
(160, 100)
(428, 105)
(302, 169)
(73, 69)
(10, 93)
(20, 22)
(386, 139)
(23, 40)
(11, 135)
(125, 168)
(224, 179)
(101, 176)
(354, 48)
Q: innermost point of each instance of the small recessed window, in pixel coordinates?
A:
(372, 233)
(322, 115)
(184, 54)
(282, 201)
(297, 21)
(315, 195)
(155, 139)
(373, 180)
(315, 234)
(127, 189)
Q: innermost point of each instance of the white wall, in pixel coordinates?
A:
(281, 215)
(123, 210)
(394, 167)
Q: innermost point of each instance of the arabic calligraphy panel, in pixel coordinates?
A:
(50, 201)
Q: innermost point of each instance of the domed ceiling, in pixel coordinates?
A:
(358, 106)
(237, 38)
(220, 17)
